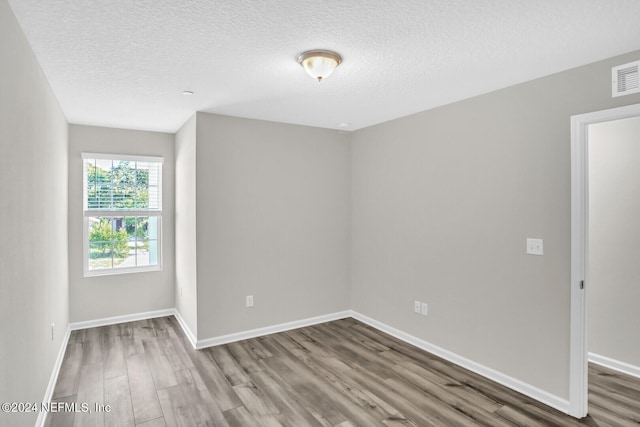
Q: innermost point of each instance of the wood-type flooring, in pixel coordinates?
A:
(340, 374)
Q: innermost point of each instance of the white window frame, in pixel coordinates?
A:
(86, 213)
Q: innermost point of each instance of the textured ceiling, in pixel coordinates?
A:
(124, 63)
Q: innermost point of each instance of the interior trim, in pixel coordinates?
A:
(185, 328)
(121, 319)
(48, 394)
(510, 382)
(499, 377)
(282, 327)
(616, 365)
(579, 285)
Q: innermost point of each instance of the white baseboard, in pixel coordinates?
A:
(616, 365)
(515, 384)
(121, 319)
(185, 328)
(48, 394)
(239, 336)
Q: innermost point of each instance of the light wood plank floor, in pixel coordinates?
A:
(341, 373)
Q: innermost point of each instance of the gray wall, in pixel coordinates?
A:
(33, 226)
(614, 230)
(272, 222)
(434, 206)
(442, 204)
(114, 295)
(186, 265)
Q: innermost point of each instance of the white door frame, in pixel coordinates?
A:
(578, 370)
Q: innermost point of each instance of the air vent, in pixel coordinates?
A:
(624, 79)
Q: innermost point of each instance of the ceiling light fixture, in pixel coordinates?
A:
(319, 64)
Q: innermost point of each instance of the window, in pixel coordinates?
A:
(122, 213)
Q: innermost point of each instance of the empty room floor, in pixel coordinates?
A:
(341, 373)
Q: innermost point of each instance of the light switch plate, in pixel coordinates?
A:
(535, 247)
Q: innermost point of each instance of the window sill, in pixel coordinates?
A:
(116, 271)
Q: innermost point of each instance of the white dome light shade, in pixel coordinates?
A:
(319, 64)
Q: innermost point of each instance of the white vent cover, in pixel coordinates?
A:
(624, 79)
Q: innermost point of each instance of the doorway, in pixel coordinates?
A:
(578, 376)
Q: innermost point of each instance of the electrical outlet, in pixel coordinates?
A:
(423, 309)
(535, 246)
(249, 300)
(53, 328)
(416, 307)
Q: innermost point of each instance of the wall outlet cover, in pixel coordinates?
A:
(535, 246)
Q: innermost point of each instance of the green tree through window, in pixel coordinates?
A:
(124, 186)
(122, 213)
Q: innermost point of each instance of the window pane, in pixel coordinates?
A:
(123, 173)
(152, 253)
(153, 228)
(92, 191)
(149, 178)
(100, 255)
(118, 198)
(118, 241)
(142, 228)
(153, 235)
(122, 252)
(123, 242)
(121, 184)
(142, 253)
(146, 250)
(98, 183)
(102, 196)
(141, 197)
(100, 243)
